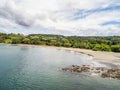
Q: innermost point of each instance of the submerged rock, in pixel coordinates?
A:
(101, 71)
(83, 68)
(73, 68)
(111, 74)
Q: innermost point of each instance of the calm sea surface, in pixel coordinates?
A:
(33, 68)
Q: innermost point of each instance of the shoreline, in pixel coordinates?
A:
(97, 55)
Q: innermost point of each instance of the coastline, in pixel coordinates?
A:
(97, 55)
(105, 61)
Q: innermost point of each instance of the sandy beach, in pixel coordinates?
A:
(97, 55)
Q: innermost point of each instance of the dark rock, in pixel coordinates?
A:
(111, 74)
(103, 72)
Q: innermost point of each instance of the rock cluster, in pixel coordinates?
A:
(101, 71)
(84, 68)
(111, 74)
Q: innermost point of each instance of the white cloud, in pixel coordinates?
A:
(4, 22)
(58, 16)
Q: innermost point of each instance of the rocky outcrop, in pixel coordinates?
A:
(83, 68)
(101, 71)
(111, 74)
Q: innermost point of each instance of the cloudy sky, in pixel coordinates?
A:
(66, 17)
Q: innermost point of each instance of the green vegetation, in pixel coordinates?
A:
(101, 47)
(109, 43)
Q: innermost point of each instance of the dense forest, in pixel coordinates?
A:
(96, 43)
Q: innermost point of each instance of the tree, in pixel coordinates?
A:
(115, 48)
(15, 40)
(26, 41)
(35, 40)
(67, 44)
(101, 47)
(8, 41)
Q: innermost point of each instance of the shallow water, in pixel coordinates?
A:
(32, 68)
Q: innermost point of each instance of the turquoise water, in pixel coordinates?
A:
(32, 68)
